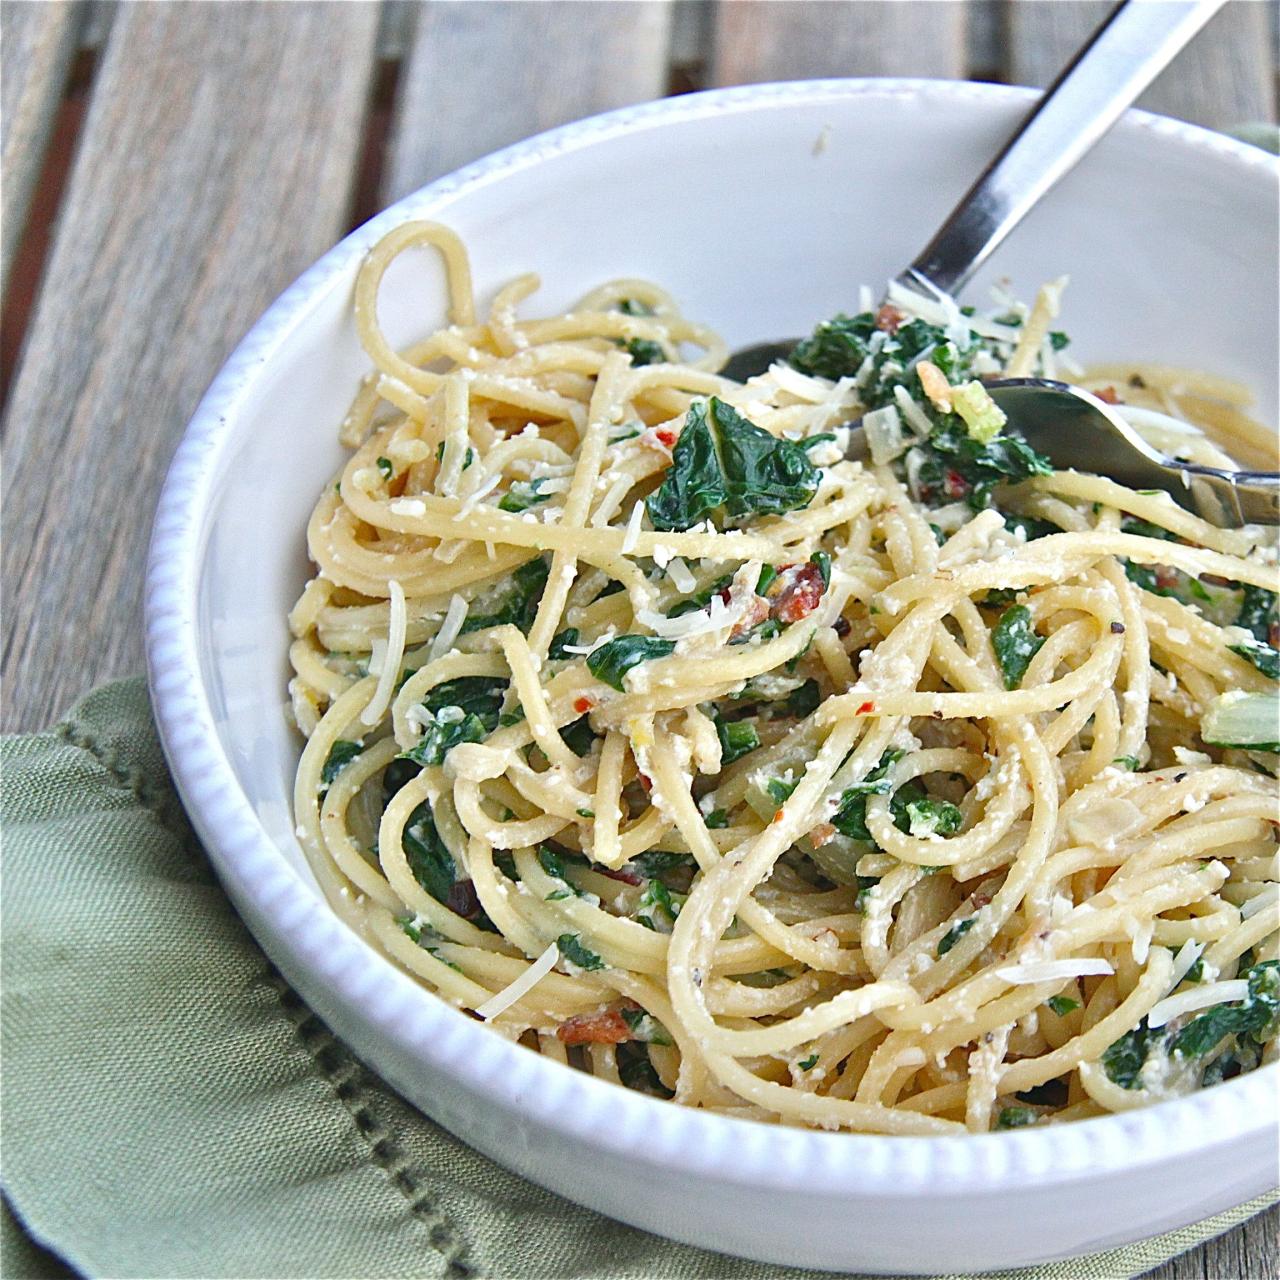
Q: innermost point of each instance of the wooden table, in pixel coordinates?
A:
(169, 168)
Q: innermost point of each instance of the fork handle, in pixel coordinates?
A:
(1126, 53)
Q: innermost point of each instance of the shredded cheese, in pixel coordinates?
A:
(501, 1001)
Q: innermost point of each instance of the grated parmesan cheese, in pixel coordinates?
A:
(449, 629)
(1196, 998)
(396, 631)
(502, 1000)
(1023, 975)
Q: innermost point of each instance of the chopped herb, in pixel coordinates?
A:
(954, 934)
(724, 466)
(581, 957)
(700, 600)
(823, 560)
(466, 461)
(717, 819)
(1062, 1005)
(634, 307)
(384, 465)
(808, 1064)
(340, 755)
(1058, 340)
(1016, 643)
(585, 813)
(558, 894)
(767, 574)
(658, 898)
(610, 662)
(1196, 972)
(1127, 762)
(645, 1027)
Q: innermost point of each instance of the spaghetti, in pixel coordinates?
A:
(925, 795)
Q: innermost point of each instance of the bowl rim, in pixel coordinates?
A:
(414, 1021)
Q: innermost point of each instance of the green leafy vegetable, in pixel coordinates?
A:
(557, 649)
(1127, 762)
(427, 854)
(1016, 1117)
(645, 351)
(1254, 1018)
(1259, 612)
(384, 465)
(340, 754)
(930, 817)
(1062, 1005)
(443, 734)
(737, 738)
(1123, 1059)
(850, 819)
(1249, 721)
(717, 819)
(954, 934)
(779, 791)
(480, 696)
(645, 1027)
(1016, 643)
(636, 1071)
(578, 736)
(808, 1064)
(520, 603)
(723, 466)
(804, 701)
(522, 495)
(658, 899)
(580, 956)
(610, 662)
(1263, 656)
(658, 862)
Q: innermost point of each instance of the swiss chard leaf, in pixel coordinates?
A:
(1259, 612)
(522, 495)
(480, 696)
(520, 603)
(837, 348)
(427, 854)
(954, 934)
(1263, 656)
(1016, 643)
(442, 735)
(723, 466)
(931, 817)
(644, 351)
(850, 819)
(577, 954)
(1254, 1018)
(610, 662)
(340, 754)
(737, 738)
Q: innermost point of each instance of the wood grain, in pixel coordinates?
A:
(216, 163)
(759, 40)
(480, 76)
(1250, 1251)
(1225, 77)
(37, 41)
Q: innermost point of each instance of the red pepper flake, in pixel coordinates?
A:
(777, 817)
(955, 485)
(582, 705)
(1108, 396)
(666, 436)
(606, 1027)
(889, 318)
(867, 708)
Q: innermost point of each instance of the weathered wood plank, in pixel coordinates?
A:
(480, 76)
(1225, 77)
(37, 41)
(216, 162)
(758, 40)
(1250, 1252)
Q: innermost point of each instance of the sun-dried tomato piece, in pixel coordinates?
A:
(608, 1026)
(796, 591)
(1108, 396)
(889, 318)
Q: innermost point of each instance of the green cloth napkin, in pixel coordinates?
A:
(172, 1108)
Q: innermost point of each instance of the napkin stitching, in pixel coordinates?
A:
(128, 777)
(343, 1072)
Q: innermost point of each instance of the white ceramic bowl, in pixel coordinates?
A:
(762, 209)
